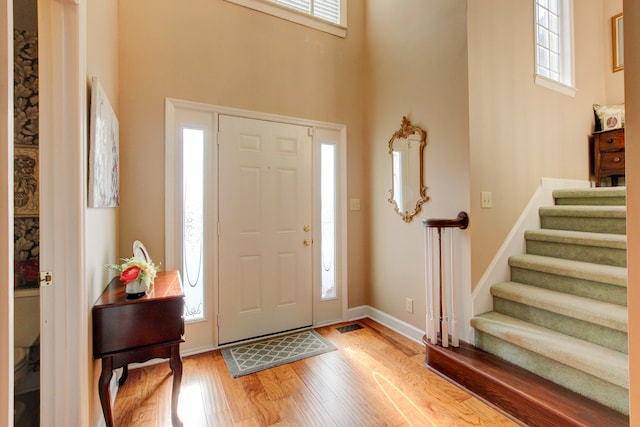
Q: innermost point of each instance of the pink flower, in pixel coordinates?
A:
(130, 274)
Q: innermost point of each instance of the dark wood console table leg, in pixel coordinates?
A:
(176, 367)
(124, 376)
(103, 389)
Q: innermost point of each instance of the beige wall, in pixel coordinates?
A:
(521, 132)
(417, 66)
(220, 53)
(632, 138)
(101, 224)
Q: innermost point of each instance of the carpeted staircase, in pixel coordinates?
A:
(563, 314)
(553, 352)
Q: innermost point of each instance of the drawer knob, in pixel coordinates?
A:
(616, 159)
(609, 140)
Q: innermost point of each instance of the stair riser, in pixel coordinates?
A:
(584, 288)
(591, 201)
(594, 388)
(593, 254)
(593, 225)
(606, 337)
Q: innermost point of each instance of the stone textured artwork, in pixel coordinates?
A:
(25, 161)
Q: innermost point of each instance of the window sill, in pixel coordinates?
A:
(293, 16)
(554, 85)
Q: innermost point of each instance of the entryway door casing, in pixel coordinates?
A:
(262, 186)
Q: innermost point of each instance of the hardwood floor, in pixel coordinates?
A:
(375, 378)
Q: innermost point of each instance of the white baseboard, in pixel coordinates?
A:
(397, 325)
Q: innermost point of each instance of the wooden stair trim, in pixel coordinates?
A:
(527, 397)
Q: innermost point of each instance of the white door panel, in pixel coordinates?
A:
(265, 204)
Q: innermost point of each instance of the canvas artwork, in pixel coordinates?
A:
(25, 88)
(26, 232)
(26, 244)
(104, 185)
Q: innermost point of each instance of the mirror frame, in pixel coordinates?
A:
(406, 130)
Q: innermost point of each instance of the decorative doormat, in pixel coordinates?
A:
(248, 358)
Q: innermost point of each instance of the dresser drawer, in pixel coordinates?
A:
(611, 141)
(610, 161)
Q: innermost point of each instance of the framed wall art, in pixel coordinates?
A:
(617, 33)
(25, 183)
(104, 181)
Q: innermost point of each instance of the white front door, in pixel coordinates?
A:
(265, 219)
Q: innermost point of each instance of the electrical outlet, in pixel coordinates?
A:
(408, 305)
(486, 199)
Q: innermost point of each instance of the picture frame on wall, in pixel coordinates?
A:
(25, 187)
(104, 174)
(617, 32)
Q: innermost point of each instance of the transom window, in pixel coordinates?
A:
(329, 10)
(554, 45)
(326, 15)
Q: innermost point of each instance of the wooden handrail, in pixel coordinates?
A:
(461, 222)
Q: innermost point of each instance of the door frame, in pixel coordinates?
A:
(64, 306)
(64, 314)
(6, 216)
(172, 198)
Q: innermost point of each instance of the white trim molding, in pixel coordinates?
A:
(64, 316)
(6, 214)
(331, 310)
(397, 325)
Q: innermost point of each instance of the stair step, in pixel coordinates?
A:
(599, 248)
(533, 400)
(600, 313)
(612, 196)
(598, 322)
(609, 274)
(602, 282)
(597, 219)
(596, 389)
(603, 363)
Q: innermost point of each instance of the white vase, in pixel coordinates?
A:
(137, 288)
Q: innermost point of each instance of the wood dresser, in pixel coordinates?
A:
(136, 330)
(608, 155)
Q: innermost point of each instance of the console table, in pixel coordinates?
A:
(136, 330)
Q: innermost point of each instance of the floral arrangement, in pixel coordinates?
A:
(133, 269)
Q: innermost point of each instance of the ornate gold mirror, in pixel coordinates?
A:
(408, 191)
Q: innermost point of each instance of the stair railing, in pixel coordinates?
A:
(441, 296)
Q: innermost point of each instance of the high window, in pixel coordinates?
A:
(326, 15)
(329, 10)
(554, 45)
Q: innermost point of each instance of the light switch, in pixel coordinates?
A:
(486, 199)
(355, 204)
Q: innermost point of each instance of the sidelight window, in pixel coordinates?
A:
(328, 199)
(193, 222)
